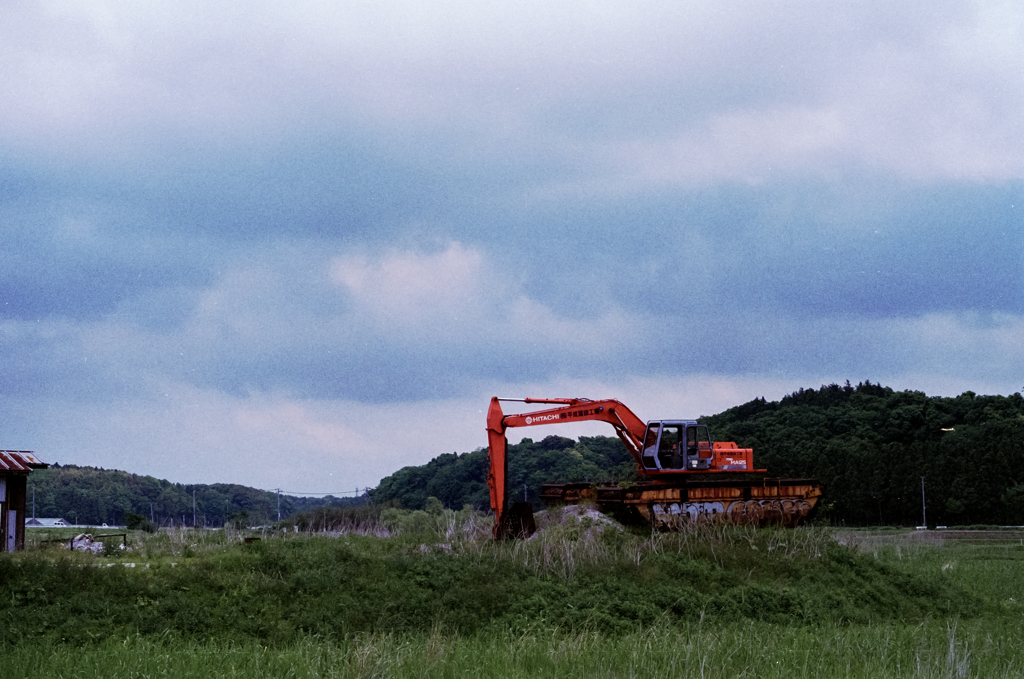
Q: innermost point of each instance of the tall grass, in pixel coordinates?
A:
(574, 542)
(578, 574)
(440, 598)
(748, 649)
(335, 521)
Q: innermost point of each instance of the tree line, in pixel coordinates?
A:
(870, 446)
(94, 496)
(874, 448)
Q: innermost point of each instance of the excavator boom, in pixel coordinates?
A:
(627, 425)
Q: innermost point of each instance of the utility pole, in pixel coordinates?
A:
(193, 507)
(924, 511)
(279, 505)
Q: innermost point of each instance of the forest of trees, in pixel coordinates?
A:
(869, 445)
(87, 495)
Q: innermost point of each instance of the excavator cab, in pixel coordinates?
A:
(677, 458)
(677, 445)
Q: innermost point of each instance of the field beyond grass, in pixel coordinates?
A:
(441, 599)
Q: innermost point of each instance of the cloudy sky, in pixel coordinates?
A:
(300, 245)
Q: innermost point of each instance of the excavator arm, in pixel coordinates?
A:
(627, 425)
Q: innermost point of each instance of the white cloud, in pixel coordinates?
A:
(988, 346)
(459, 295)
(406, 289)
(748, 146)
(914, 125)
(264, 440)
(534, 324)
(756, 88)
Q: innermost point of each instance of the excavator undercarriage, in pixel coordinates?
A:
(669, 504)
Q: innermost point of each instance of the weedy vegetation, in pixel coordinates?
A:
(389, 592)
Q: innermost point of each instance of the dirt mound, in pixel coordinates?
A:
(581, 516)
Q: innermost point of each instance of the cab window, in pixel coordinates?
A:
(669, 452)
(651, 445)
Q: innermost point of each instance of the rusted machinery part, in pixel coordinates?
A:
(669, 506)
(516, 522)
(568, 493)
(675, 515)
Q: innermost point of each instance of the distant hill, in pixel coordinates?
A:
(868, 444)
(90, 495)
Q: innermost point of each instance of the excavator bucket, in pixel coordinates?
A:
(516, 522)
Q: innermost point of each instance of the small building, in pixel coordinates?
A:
(15, 466)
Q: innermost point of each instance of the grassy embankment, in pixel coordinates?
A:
(714, 601)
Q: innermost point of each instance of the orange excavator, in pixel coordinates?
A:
(685, 475)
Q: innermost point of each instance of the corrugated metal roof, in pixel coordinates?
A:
(20, 461)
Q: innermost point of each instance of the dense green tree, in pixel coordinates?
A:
(871, 446)
(88, 495)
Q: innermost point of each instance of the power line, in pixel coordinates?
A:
(357, 491)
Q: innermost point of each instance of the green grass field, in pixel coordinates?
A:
(440, 599)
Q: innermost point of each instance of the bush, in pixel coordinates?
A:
(134, 521)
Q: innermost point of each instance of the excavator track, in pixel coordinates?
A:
(672, 503)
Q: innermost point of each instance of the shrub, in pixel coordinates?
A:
(133, 521)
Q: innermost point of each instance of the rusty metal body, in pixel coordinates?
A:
(668, 504)
(686, 475)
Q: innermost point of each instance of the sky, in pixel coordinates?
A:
(301, 245)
